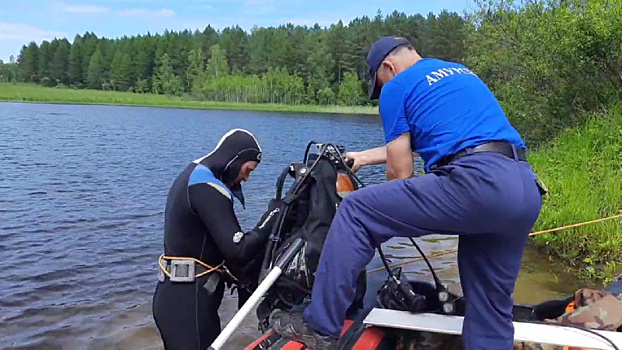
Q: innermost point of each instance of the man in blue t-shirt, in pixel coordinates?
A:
(477, 185)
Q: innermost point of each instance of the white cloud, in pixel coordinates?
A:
(137, 12)
(14, 35)
(85, 9)
(26, 32)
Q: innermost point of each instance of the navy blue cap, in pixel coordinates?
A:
(379, 50)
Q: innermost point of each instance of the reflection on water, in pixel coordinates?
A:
(82, 194)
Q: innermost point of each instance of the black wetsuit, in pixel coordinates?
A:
(200, 223)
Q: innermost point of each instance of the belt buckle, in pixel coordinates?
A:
(182, 271)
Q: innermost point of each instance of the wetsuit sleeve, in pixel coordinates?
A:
(215, 209)
(392, 111)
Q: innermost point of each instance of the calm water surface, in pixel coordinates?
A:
(82, 196)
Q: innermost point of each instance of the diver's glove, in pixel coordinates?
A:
(249, 278)
(246, 277)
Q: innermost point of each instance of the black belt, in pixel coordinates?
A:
(507, 149)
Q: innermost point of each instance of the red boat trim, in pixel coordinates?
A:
(370, 339)
(258, 341)
(293, 345)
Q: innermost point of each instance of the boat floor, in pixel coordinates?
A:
(523, 331)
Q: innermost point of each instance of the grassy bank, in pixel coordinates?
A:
(36, 93)
(582, 169)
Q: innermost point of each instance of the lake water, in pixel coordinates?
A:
(82, 197)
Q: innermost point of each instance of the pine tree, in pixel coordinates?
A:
(319, 68)
(144, 60)
(210, 37)
(284, 64)
(45, 60)
(337, 46)
(217, 64)
(29, 62)
(120, 71)
(75, 62)
(234, 41)
(60, 63)
(260, 48)
(89, 45)
(196, 69)
(165, 81)
(95, 74)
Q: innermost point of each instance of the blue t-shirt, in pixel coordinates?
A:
(446, 108)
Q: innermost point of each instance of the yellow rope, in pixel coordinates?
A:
(435, 255)
(575, 225)
(446, 252)
(208, 267)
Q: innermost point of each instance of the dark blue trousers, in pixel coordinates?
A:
(490, 201)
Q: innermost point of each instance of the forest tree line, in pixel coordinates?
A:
(285, 64)
(548, 61)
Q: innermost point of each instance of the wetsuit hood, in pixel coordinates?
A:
(235, 148)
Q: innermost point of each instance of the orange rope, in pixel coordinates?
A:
(447, 252)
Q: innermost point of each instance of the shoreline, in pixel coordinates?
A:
(32, 93)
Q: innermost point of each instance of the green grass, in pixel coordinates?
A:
(582, 169)
(36, 93)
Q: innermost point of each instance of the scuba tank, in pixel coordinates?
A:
(321, 181)
(344, 184)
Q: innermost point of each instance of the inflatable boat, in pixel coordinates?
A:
(378, 328)
(384, 314)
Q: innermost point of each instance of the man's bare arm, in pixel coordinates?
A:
(372, 156)
(399, 158)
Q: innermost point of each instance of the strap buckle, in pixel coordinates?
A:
(182, 271)
(161, 276)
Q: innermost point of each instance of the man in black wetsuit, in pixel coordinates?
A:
(202, 233)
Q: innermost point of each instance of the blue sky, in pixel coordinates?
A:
(38, 20)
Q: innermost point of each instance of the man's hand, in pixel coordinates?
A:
(357, 159)
(372, 156)
(400, 158)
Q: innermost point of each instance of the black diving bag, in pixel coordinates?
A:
(308, 209)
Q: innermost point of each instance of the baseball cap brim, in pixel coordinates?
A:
(374, 89)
